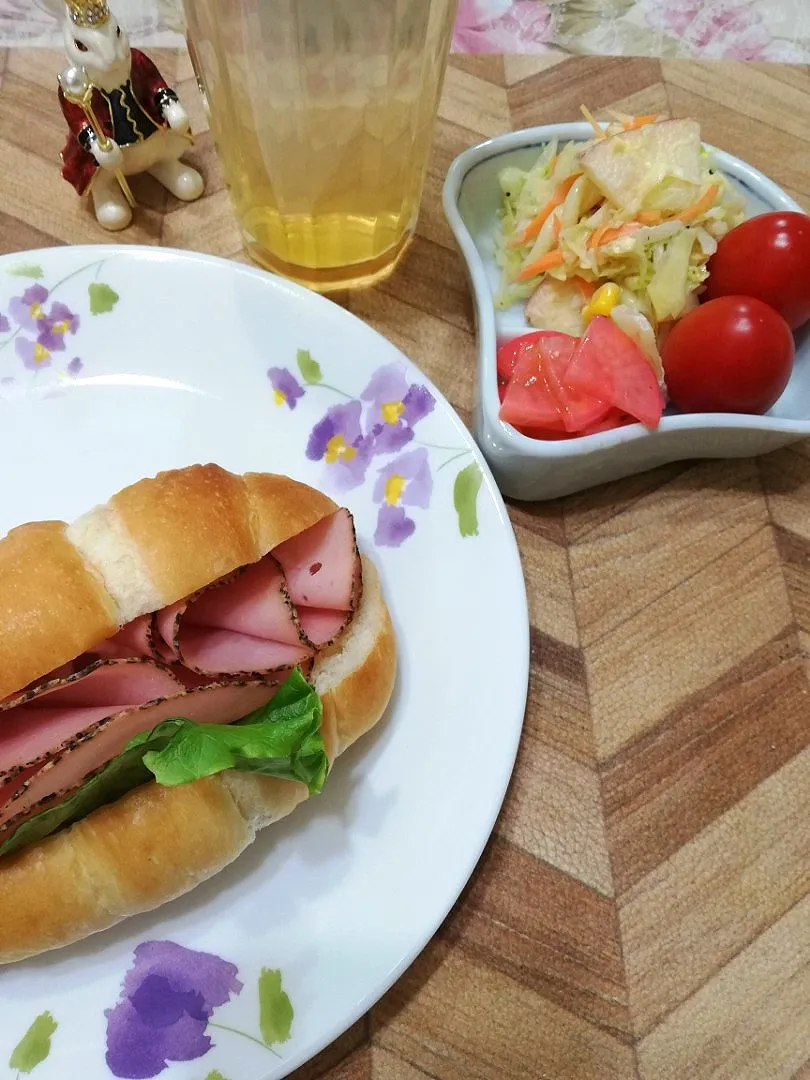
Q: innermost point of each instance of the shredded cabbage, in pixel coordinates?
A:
(558, 215)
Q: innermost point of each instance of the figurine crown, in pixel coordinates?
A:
(88, 12)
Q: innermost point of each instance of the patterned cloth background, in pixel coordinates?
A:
(720, 29)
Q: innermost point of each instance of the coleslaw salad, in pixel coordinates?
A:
(622, 224)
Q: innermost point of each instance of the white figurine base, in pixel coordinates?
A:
(160, 157)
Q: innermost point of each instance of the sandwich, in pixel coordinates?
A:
(179, 668)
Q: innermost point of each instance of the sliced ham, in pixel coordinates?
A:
(58, 673)
(55, 712)
(70, 765)
(254, 602)
(134, 639)
(241, 625)
(319, 563)
(321, 626)
(11, 786)
(164, 630)
(322, 569)
(209, 650)
(253, 626)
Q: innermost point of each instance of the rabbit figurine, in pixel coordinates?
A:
(127, 121)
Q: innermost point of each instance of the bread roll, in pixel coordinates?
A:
(67, 588)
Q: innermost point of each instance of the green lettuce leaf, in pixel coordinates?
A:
(282, 738)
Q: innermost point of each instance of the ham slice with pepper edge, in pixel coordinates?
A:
(134, 639)
(55, 712)
(242, 624)
(70, 765)
(213, 658)
(322, 569)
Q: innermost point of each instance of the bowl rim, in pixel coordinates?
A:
(510, 439)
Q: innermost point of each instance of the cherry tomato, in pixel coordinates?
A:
(733, 354)
(609, 365)
(767, 257)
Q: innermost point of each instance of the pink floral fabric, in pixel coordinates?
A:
(502, 26)
(723, 29)
(776, 30)
(712, 29)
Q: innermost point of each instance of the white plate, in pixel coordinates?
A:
(536, 469)
(342, 895)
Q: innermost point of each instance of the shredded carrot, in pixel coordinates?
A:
(605, 235)
(640, 121)
(701, 205)
(536, 224)
(609, 235)
(556, 225)
(568, 183)
(650, 217)
(539, 266)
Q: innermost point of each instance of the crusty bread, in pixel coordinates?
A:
(153, 543)
(156, 843)
(355, 692)
(52, 606)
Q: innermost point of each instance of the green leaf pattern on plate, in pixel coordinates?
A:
(35, 1046)
(465, 498)
(275, 1009)
(26, 270)
(310, 369)
(102, 298)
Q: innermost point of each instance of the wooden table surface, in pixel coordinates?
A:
(641, 910)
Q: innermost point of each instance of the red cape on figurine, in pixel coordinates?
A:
(146, 83)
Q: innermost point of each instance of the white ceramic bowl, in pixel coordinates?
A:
(532, 469)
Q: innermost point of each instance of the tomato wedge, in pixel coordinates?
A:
(613, 419)
(510, 351)
(529, 403)
(508, 354)
(539, 397)
(608, 365)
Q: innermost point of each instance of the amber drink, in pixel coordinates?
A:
(322, 112)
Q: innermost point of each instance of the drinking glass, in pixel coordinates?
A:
(322, 112)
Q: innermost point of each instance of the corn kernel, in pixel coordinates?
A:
(603, 301)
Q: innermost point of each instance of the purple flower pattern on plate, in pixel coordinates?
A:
(165, 1011)
(394, 407)
(371, 426)
(168, 998)
(59, 321)
(286, 388)
(339, 441)
(405, 481)
(40, 326)
(27, 310)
